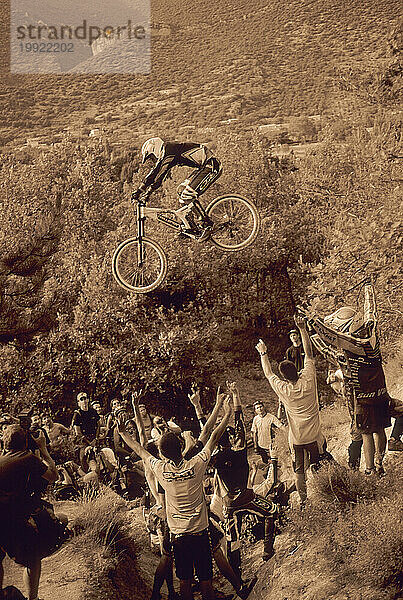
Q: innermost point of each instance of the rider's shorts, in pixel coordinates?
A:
(205, 176)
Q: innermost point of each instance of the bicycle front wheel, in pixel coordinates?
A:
(236, 222)
(139, 266)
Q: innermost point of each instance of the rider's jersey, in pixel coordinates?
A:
(362, 365)
(177, 154)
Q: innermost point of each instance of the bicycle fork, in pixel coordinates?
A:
(140, 232)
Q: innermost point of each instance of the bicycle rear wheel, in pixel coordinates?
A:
(236, 222)
(135, 274)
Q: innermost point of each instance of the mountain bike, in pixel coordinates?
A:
(140, 265)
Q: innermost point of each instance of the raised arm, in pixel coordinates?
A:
(139, 419)
(240, 432)
(219, 430)
(132, 443)
(194, 398)
(266, 366)
(211, 421)
(306, 342)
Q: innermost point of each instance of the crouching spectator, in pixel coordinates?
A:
(23, 477)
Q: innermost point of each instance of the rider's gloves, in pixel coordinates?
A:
(136, 195)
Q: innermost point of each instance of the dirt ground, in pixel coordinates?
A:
(60, 580)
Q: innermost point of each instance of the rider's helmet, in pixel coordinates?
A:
(345, 319)
(154, 147)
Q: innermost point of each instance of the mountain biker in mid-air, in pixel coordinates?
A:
(165, 156)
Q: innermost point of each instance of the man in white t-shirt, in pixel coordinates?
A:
(298, 393)
(186, 509)
(262, 431)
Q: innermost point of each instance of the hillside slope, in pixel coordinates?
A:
(221, 62)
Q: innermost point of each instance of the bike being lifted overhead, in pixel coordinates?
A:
(140, 264)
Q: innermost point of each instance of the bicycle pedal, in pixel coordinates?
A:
(187, 234)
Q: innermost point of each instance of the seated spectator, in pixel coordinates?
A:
(102, 418)
(56, 431)
(116, 405)
(85, 424)
(22, 477)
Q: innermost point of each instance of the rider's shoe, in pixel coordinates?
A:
(200, 235)
(204, 234)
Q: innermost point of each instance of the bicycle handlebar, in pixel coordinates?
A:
(144, 196)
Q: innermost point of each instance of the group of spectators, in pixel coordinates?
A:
(200, 490)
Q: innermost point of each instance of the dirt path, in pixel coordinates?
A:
(62, 576)
(60, 580)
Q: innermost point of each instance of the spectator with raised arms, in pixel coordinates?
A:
(298, 393)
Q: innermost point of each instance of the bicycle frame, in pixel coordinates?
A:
(166, 216)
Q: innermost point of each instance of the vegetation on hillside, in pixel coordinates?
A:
(357, 527)
(327, 221)
(220, 62)
(107, 548)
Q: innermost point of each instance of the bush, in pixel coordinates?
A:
(336, 484)
(108, 548)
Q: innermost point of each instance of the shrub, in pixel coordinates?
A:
(334, 483)
(358, 531)
(99, 519)
(108, 549)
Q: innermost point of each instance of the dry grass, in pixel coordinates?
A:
(107, 548)
(335, 484)
(357, 528)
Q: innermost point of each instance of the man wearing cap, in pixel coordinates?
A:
(85, 424)
(295, 353)
(85, 419)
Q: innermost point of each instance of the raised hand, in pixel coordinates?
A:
(232, 387)
(137, 394)
(299, 321)
(40, 440)
(220, 397)
(121, 423)
(194, 396)
(261, 347)
(227, 404)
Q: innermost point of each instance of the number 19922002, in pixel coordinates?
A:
(47, 47)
